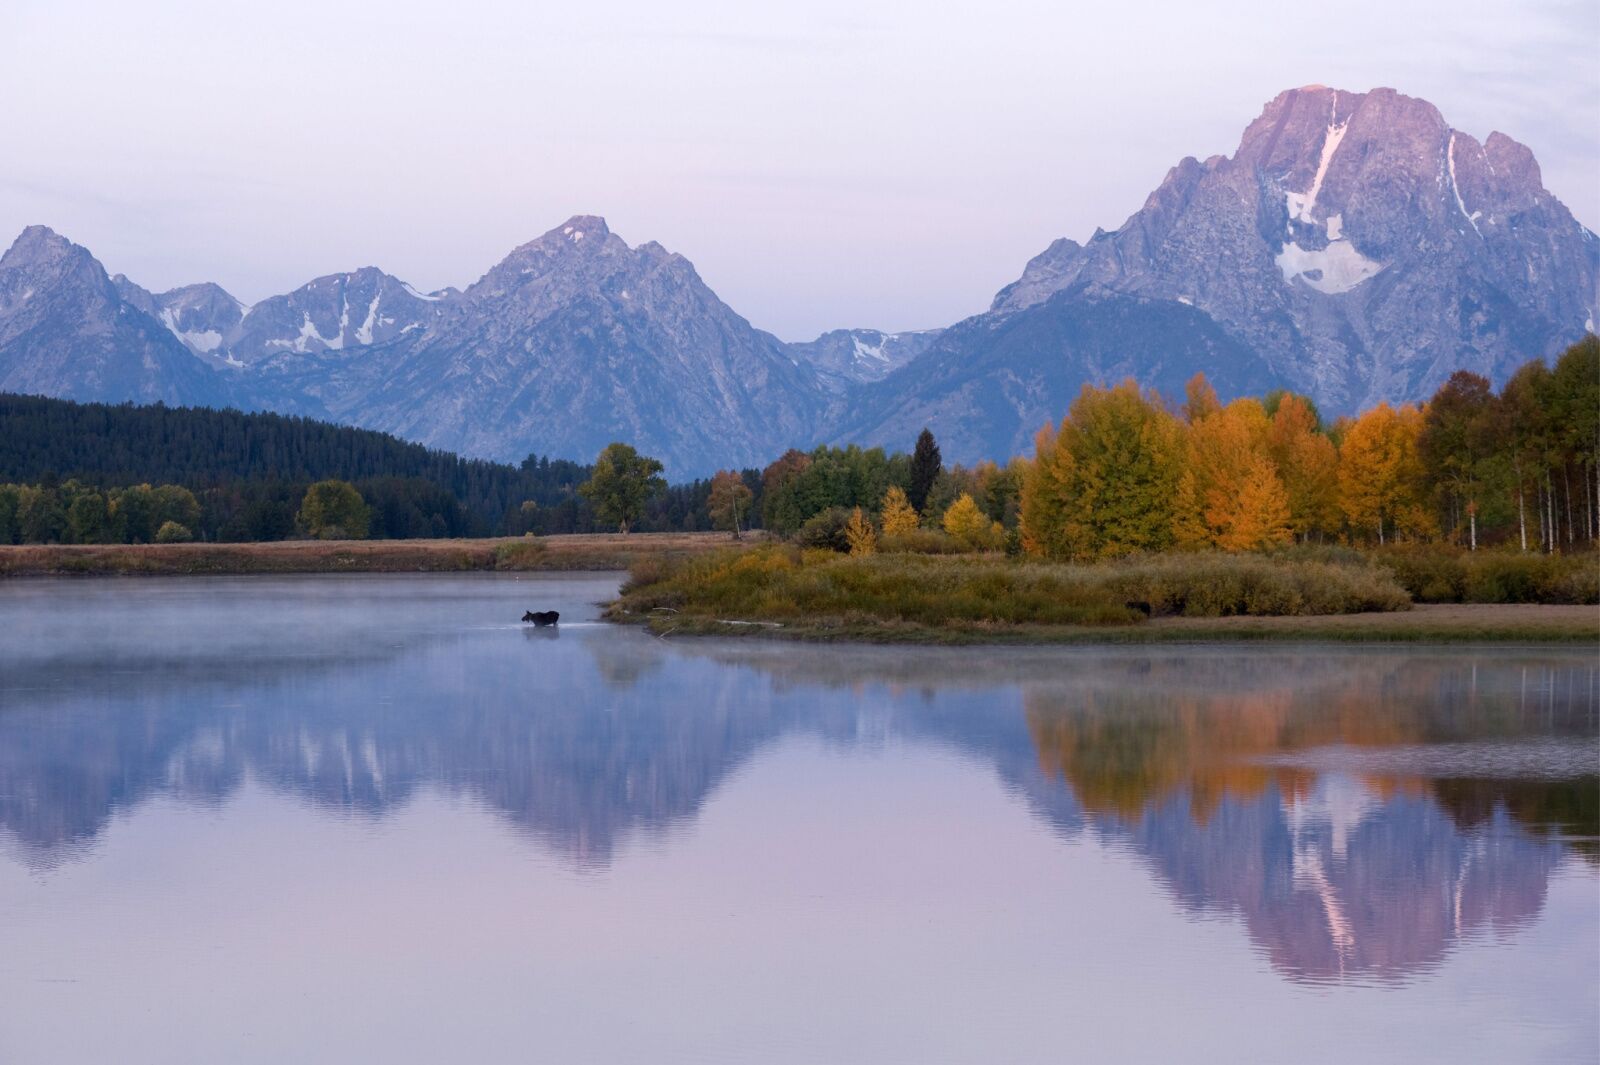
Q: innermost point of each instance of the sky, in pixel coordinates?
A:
(824, 164)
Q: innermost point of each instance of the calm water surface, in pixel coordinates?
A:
(375, 819)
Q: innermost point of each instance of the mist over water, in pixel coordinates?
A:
(268, 819)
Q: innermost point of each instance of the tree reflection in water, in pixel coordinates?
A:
(1359, 810)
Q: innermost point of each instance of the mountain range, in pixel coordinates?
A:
(1354, 248)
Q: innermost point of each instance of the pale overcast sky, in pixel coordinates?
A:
(828, 163)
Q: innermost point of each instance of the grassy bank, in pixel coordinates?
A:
(781, 591)
(601, 551)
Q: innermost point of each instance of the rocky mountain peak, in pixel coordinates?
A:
(1364, 247)
(40, 256)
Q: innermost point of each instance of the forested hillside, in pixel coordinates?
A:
(249, 471)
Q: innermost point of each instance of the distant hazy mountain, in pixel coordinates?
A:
(1355, 247)
(574, 340)
(201, 316)
(857, 356)
(65, 331)
(331, 313)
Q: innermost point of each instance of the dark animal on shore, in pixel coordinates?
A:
(1141, 607)
(542, 617)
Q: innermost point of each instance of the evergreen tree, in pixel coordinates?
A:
(925, 467)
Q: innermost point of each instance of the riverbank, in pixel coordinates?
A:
(1424, 623)
(595, 551)
(780, 592)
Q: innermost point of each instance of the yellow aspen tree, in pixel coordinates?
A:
(1189, 531)
(1261, 517)
(1220, 451)
(971, 527)
(1369, 473)
(897, 515)
(860, 534)
(1308, 464)
(1045, 485)
(1414, 516)
(1200, 400)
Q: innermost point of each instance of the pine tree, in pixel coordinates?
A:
(925, 467)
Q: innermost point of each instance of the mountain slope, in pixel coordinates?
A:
(989, 383)
(65, 331)
(575, 340)
(1363, 247)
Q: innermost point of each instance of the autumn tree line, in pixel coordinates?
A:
(1127, 471)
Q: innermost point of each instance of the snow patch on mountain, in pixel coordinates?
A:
(1332, 270)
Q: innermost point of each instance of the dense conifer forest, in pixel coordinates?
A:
(248, 474)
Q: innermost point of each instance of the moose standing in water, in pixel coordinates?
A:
(542, 618)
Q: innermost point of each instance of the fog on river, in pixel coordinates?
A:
(267, 819)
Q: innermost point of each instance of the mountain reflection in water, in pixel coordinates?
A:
(1359, 810)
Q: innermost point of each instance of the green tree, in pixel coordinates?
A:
(41, 518)
(925, 467)
(781, 509)
(88, 517)
(10, 502)
(133, 511)
(1457, 446)
(1103, 485)
(622, 484)
(173, 533)
(333, 510)
(176, 504)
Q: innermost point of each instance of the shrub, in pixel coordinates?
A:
(826, 530)
(818, 586)
(1207, 585)
(526, 553)
(1440, 574)
(173, 533)
(920, 542)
